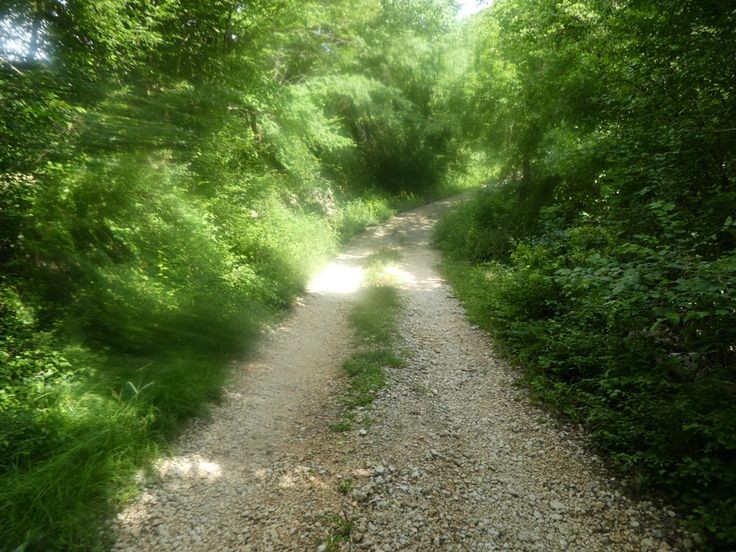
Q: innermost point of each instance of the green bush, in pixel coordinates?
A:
(488, 227)
(633, 339)
(359, 214)
(30, 368)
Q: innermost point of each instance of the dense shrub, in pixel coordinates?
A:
(633, 338)
(170, 175)
(605, 261)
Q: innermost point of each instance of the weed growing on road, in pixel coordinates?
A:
(342, 526)
(345, 486)
(374, 319)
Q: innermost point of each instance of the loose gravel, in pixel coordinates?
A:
(456, 457)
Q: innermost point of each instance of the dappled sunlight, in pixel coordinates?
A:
(426, 284)
(400, 275)
(300, 476)
(189, 467)
(393, 275)
(397, 275)
(338, 278)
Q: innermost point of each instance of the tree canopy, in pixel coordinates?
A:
(171, 171)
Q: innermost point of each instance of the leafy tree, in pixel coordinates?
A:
(171, 172)
(605, 259)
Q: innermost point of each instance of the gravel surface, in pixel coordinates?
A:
(457, 457)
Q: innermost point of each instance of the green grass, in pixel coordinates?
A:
(341, 527)
(345, 486)
(366, 373)
(374, 320)
(374, 316)
(91, 441)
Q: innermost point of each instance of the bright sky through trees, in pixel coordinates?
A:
(469, 7)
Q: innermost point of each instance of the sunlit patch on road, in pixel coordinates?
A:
(337, 278)
(393, 275)
(191, 467)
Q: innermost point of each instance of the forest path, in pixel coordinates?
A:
(457, 457)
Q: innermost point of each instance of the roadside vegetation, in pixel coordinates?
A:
(602, 257)
(171, 172)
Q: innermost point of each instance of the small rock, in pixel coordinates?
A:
(557, 505)
(362, 432)
(359, 495)
(526, 536)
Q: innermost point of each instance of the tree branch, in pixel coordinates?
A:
(13, 67)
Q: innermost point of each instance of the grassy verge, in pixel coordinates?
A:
(74, 463)
(373, 318)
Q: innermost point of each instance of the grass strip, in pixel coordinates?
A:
(374, 320)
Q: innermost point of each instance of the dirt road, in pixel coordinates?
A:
(456, 457)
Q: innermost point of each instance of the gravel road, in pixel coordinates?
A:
(456, 456)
